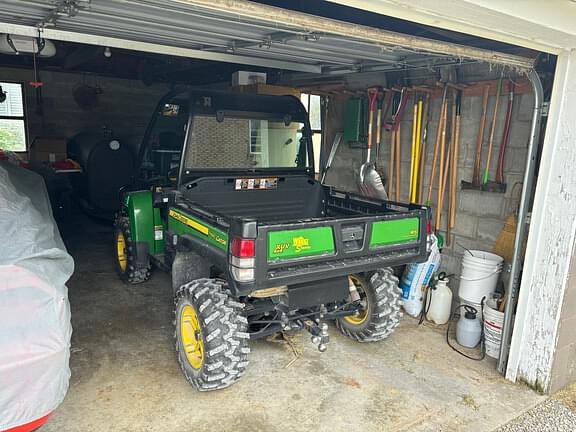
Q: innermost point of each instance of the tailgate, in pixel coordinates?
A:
(308, 250)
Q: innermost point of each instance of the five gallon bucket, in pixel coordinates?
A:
(493, 322)
(479, 276)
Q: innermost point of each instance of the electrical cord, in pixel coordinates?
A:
(482, 344)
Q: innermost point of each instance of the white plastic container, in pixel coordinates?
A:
(479, 276)
(416, 277)
(440, 301)
(493, 323)
(468, 329)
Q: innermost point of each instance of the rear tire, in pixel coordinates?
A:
(125, 260)
(382, 299)
(211, 335)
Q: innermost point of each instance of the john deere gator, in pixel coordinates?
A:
(226, 200)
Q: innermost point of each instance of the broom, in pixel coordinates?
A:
(505, 242)
(504, 245)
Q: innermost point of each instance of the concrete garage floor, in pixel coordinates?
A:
(125, 376)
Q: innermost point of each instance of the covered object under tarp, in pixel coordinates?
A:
(35, 324)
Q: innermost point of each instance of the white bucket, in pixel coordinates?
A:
(493, 323)
(479, 276)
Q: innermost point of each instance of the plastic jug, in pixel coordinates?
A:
(469, 329)
(416, 278)
(440, 301)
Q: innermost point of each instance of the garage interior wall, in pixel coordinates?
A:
(480, 215)
(124, 106)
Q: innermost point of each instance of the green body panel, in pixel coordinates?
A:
(394, 231)
(182, 223)
(141, 215)
(297, 243)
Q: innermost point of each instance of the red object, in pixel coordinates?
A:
(243, 248)
(36, 84)
(28, 427)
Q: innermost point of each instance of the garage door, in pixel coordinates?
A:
(239, 32)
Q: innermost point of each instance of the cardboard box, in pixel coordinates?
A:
(48, 149)
(247, 77)
(268, 89)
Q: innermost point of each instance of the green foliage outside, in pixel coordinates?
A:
(11, 138)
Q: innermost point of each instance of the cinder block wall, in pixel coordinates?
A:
(125, 106)
(480, 215)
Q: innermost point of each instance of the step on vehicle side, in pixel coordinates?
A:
(226, 200)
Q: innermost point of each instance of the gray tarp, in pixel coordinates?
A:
(35, 324)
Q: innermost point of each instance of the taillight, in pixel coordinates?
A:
(242, 263)
(242, 248)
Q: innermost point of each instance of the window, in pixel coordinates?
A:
(255, 137)
(312, 104)
(12, 121)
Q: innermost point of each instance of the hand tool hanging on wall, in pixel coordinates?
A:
(372, 96)
(370, 181)
(492, 132)
(379, 97)
(505, 135)
(333, 150)
(448, 168)
(395, 150)
(414, 180)
(442, 168)
(480, 140)
(441, 121)
(455, 159)
(423, 144)
(413, 146)
(398, 155)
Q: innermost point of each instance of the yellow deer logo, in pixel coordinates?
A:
(301, 243)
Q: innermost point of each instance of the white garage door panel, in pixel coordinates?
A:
(234, 31)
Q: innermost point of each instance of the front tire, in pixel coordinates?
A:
(381, 299)
(125, 260)
(211, 335)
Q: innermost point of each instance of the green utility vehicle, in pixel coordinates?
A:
(226, 200)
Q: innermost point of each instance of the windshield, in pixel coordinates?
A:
(239, 142)
(162, 151)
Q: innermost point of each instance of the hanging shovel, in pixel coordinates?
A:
(370, 181)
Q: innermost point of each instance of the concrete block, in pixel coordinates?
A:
(524, 107)
(515, 161)
(450, 264)
(481, 203)
(461, 244)
(489, 229)
(466, 224)
(519, 134)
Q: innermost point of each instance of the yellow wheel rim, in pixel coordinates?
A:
(365, 310)
(191, 336)
(121, 251)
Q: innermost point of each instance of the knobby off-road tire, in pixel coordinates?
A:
(382, 300)
(125, 260)
(221, 334)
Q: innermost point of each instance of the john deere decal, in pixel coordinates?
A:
(284, 245)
